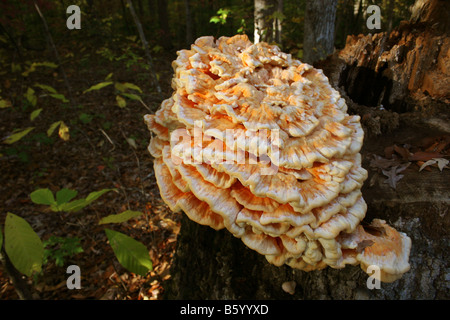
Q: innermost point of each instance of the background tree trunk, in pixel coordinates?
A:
(319, 29)
(267, 26)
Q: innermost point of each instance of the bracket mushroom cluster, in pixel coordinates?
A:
(259, 143)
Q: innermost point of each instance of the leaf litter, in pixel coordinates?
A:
(86, 163)
(429, 152)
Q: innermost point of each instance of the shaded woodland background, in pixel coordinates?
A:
(173, 25)
(107, 139)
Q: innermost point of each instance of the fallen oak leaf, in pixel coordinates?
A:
(441, 162)
(393, 174)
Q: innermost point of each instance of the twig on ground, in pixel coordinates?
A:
(109, 139)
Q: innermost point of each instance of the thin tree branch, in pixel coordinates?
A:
(145, 44)
(66, 81)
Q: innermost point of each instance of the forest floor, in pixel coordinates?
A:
(97, 156)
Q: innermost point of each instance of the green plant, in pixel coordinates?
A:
(63, 197)
(221, 17)
(27, 253)
(17, 134)
(132, 254)
(21, 152)
(122, 90)
(85, 118)
(58, 248)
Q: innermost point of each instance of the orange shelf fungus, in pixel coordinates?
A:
(260, 144)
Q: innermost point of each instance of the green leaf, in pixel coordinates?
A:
(96, 194)
(45, 87)
(109, 76)
(53, 127)
(131, 86)
(121, 102)
(77, 205)
(33, 66)
(42, 196)
(98, 86)
(31, 97)
(121, 217)
(59, 96)
(46, 64)
(15, 67)
(17, 135)
(214, 19)
(64, 131)
(132, 96)
(120, 87)
(22, 245)
(73, 206)
(131, 254)
(65, 195)
(85, 118)
(5, 103)
(35, 113)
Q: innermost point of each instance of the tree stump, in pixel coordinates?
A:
(211, 264)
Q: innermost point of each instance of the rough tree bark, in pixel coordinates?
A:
(212, 264)
(266, 24)
(319, 29)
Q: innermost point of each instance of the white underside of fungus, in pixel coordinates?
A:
(260, 144)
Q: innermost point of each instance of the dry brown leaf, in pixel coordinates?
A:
(382, 163)
(393, 174)
(403, 152)
(424, 156)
